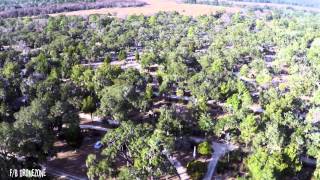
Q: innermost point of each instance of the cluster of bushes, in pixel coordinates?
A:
(205, 149)
(196, 169)
(231, 162)
(71, 6)
(73, 136)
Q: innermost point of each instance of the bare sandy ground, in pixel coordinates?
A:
(155, 6)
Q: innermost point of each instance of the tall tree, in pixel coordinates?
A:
(248, 128)
(142, 149)
(89, 105)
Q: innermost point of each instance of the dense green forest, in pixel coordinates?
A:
(249, 79)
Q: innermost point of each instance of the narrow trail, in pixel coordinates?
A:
(181, 170)
(219, 151)
(94, 127)
(62, 175)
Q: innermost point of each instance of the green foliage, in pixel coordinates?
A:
(248, 128)
(105, 76)
(125, 96)
(73, 136)
(316, 173)
(88, 105)
(125, 174)
(144, 152)
(41, 64)
(205, 122)
(177, 71)
(179, 92)
(43, 86)
(226, 88)
(196, 169)
(231, 163)
(314, 53)
(234, 102)
(191, 32)
(152, 21)
(316, 97)
(122, 55)
(77, 72)
(202, 104)
(292, 154)
(205, 149)
(264, 165)
(168, 123)
(33, 131)
(244, 70)
(263, 77)
(103, 169)
(83, 76)
(107, 59)
(313, 144)
(10, 70)
(148, 59)
(137, 56)
(217, 66)
(149, 92)
(87, 79)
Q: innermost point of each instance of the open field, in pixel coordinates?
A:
(155, 6)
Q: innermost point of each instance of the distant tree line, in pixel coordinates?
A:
(8, 10)
(211, 2)
(310, 3)
(17, 4)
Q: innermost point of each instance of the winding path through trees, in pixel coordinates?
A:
(182, 171)
(60, 174)
(219, 151)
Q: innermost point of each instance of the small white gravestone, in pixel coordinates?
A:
(194, 152)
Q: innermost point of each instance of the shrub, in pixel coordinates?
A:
(88, 105)
(231, 162)
(73, 136)
(196, 169)
(122, 55)
(204, 149)
(107, 59)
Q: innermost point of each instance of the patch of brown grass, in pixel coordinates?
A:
(155, 6)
